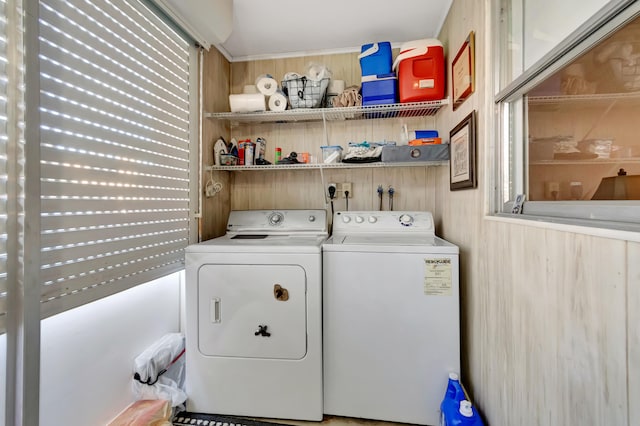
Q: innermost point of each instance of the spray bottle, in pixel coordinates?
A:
(456, 408)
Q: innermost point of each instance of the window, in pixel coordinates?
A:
(568, 127)
(530, 29)
(115, 149)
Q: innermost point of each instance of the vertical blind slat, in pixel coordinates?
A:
(10, 159)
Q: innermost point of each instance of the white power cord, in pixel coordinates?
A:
(212, 188)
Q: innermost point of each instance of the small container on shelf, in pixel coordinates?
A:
(331, 154)
(228, 160)
(411, 153)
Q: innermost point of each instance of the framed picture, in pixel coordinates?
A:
(463, 73)
(462, 154)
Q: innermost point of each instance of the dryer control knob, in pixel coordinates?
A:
(406, 220)
(372, 219)
(359, 219)
(276, 219)
(346, 219)
(312, 218)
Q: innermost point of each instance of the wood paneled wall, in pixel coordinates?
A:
(216, 73)
(551, 319)
(551, 323)
(290, 189)
(633, 331)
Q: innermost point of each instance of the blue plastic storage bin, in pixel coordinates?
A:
(380, 90)
(376, 58)
(456, 409)
(425, 134)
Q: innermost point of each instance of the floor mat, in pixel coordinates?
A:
(201, 419)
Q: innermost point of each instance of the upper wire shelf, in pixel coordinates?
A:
(582, 99)
(412, 109)
(617, 160)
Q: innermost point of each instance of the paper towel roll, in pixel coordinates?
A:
(266, 84)
(317, 72)
(335, 87)
(278, 101)
(250, 88)
(247, 102)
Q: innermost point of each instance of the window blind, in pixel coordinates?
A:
(115, 129)
(11, 152)
(4, 159)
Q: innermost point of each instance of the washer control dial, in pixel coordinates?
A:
(406, 220)
(372, 219)
(346, 219)
(276, 218)
(359, 219)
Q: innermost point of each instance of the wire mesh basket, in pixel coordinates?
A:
(305, 93)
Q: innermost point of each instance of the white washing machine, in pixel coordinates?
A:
(254, 317)
(391, 316)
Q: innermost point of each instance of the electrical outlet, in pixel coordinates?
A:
(346, 187)
(335, 188)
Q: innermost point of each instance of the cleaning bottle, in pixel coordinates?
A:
(456, 408)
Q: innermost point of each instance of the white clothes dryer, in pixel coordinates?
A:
(391, 316)
(254, 317)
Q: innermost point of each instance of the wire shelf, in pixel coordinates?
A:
(595, 161)
(585, 99)
(328, 166)
(413, 109)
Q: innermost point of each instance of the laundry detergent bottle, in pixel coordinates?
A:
(456, 409)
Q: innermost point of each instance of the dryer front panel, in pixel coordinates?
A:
(252, 311)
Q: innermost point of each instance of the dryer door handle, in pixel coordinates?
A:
(214, 310)
(262, 331)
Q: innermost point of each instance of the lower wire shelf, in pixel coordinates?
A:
(313, 166)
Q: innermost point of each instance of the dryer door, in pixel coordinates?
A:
(252, 311)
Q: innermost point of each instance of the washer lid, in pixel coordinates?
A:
(389, 244)
(277, 222)
(260, 243)
(386, 240)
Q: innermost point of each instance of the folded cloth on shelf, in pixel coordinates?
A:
(349, 97)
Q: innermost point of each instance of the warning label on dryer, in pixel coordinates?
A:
(437, 277)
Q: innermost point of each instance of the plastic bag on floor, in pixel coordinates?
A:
(159, 371)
